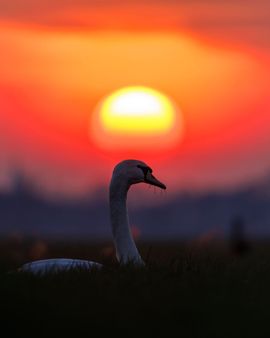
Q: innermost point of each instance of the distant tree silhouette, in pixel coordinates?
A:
(238, 240)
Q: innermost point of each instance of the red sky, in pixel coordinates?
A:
(60, 58)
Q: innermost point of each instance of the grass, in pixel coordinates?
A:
(183, 292)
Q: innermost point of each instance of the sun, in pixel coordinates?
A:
(137, 110)
(136, 117)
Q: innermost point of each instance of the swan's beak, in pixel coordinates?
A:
(153, 181)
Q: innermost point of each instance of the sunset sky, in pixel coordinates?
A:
(60, 59)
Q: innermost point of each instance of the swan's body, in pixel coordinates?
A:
(58, 265)
(125, 174)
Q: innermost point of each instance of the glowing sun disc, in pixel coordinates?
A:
(136, 117)
(137, 110)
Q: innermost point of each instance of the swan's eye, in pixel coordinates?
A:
(145, 169)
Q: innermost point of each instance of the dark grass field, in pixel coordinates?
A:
(185, 291)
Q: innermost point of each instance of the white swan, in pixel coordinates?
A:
(125, 174)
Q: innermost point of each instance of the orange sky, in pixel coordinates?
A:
(59, 59)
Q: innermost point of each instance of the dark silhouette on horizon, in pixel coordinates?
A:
(185, 216)
(238, 239)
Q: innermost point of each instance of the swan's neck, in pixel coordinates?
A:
(126, 250)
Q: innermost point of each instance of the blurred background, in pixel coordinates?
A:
(59, 59)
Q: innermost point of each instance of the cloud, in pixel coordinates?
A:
(238, 21)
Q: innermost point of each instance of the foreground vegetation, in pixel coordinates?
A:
(184, 291)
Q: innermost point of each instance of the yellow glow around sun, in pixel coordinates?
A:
(137, 110)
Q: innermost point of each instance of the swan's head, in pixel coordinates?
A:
(134, 171)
